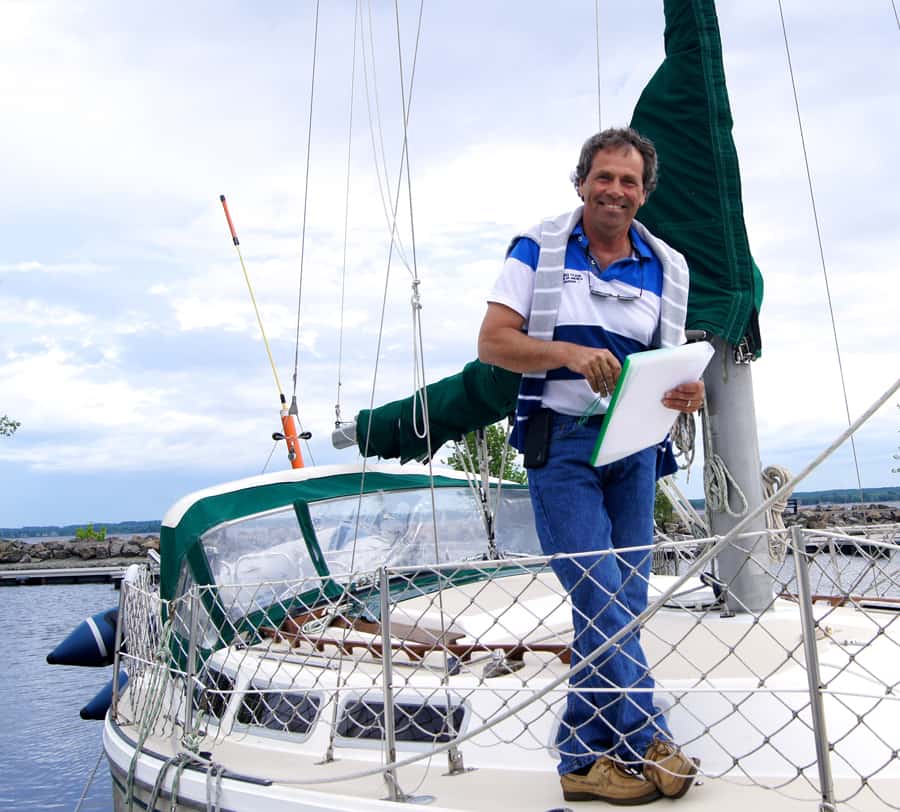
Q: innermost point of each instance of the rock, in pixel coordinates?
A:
(92, 550)
(131, 548)
(10, 552)
(150, 543)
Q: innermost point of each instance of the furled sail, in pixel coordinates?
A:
(697, 206)
(478, 396)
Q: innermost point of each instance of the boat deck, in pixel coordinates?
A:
(431, 789)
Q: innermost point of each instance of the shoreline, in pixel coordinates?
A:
(75, 553)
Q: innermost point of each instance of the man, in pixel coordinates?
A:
(593, 286)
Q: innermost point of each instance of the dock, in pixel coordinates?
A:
(112, 574)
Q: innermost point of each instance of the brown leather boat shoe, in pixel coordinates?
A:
(609, 782)
(669, 769)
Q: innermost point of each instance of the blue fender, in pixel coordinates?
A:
(90, 643)
(99, 705)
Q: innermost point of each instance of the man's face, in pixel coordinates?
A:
(613, 191)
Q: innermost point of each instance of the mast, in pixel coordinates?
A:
(697, 209)
(732, 437)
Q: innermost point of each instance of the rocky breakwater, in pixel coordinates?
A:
(820, 517)
(75, 552)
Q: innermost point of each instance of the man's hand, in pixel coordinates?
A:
(688, 397)
(601, 369)
(502, 342)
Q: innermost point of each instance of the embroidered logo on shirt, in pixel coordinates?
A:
(571, 276)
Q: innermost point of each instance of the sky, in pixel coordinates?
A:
(129, 349)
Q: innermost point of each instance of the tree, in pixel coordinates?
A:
(8, 426)
(496, 442)
(663, 511)
(89, 534)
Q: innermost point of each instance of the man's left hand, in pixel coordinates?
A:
(688, 397)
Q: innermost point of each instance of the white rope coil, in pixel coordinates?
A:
(718, 483)
(774, 477)
(684, 434)
(719, 486)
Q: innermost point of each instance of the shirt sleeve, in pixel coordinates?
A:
(514, 287)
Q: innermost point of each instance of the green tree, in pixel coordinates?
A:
(89, 534)
(496, 442)
(8, 426)
(662, 508)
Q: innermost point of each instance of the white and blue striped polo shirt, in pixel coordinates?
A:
(619, 325)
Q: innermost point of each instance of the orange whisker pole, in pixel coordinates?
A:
(288, 416)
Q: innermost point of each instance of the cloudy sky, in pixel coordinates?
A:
(129, 349)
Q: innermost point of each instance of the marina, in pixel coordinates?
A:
(378, 631)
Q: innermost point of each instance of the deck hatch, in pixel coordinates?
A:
(213, 695)
(289, 712)
(413, 722)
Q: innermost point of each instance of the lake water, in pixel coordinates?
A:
(47, 751)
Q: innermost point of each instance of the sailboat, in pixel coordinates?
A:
(356, 636)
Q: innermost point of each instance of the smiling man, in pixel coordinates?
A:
(592, 286)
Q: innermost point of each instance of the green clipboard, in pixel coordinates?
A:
(636, 418)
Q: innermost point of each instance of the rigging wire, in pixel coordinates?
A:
(312, 93)
(375, 127)
(393, 242)
(454, 756)
(90, 780)
(269, 458)
(337, 402)
(896, 16)
(597, 46)
(812, 197)
(357, 34)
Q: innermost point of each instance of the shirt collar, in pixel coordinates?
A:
(640, 250)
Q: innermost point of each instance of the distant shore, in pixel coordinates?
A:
(115, 550)
(70, 553)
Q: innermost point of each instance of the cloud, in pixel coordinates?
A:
(129, 341)
(33, 266)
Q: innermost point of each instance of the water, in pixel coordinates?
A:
(47, 751)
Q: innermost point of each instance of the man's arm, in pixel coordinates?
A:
(501, 342)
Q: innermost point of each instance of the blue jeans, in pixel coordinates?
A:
(582, 509)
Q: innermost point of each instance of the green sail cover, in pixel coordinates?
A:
(476, 397)
(697, 206)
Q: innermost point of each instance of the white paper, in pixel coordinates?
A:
(637, 418)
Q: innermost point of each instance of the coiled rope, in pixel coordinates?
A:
(718, 483)
(683, 435)
(774, 478)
